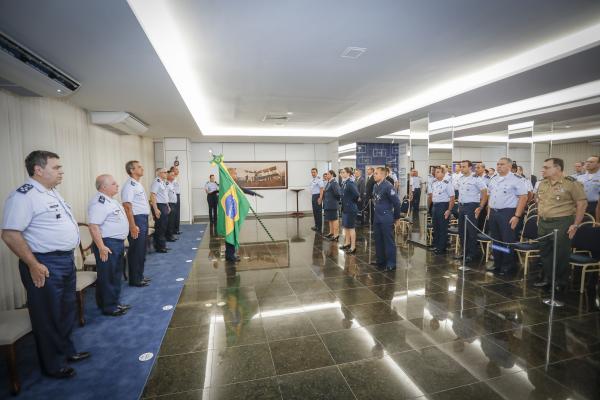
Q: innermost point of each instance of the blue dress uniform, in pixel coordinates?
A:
(159, 188)
(133, 192)
(212, 198)
(177, 188)
(173, 214)
(469, 199)
(51, 232)
(441, 193)
(504, 196)
(350, 197)
(110, 217)
(316, 184)
(591, 185)
(387, 211)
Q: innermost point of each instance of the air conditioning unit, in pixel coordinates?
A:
(120, 121)
(24, 68)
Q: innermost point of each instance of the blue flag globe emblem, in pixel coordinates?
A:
(231, 206)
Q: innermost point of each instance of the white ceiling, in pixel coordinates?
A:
(252, 58)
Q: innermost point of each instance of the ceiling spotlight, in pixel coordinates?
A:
(58, 91)
(289, 113)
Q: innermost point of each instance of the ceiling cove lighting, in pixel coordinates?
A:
(171, 43)
(521, 125)
(346, 148)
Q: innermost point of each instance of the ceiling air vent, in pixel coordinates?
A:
(277, 119)
(353, 52)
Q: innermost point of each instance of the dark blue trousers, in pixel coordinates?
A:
(229, 252)
(136, 255)
(108, 283)
(317, 212)
(385, 247)
(416, 199)
(468, 210)
(500, 229)
(52, 309)
(160, 227)
(440, 226)
(171, 229)
(177, 213)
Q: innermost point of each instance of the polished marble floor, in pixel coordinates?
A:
(299, 319)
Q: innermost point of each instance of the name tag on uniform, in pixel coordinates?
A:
(52, 207)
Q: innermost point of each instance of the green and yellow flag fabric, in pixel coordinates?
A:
(233, 205)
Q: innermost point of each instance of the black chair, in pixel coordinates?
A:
(528, 246)
(585, 254)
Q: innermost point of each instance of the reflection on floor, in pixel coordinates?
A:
(303, 320)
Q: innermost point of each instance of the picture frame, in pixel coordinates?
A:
(260, 175)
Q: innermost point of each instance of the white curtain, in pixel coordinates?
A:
(86, 150)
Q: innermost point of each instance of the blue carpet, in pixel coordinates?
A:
(114, 370)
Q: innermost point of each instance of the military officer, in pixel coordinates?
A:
(40, 228)
(316, 190)
(507, 199)
(137, 209)
(159, 198)
(591, 183)
(579, 167)
(441, 198)
(561, 206)
(472, 199)
(109, 227)
(172, 195)
(415, 191)
(387, 213)
(212, 198)
(177, 187)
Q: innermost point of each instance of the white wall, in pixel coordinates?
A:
(573, 152)
(27, 124)
(300, 157)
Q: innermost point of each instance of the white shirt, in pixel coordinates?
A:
(44, 218)
(469, 189)
(171, 192)
(415, 182)
(133, 192)
(159, 188)
(316, 184)
(176, 186)
(591, 185)
(109, 215)
(441, 191)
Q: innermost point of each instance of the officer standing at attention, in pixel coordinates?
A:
(369, 193)
(212, 198)
(361, 185)
(316, 191)
(441, 197)
(135, 203)
(561, 205)
(159, 198)
(387, 213)
(171, 231)
(109, 227)
(471, 201)
(591, 183)
(177, 187)
(508, 196)
(41, 230)
(415, 193)
(579, 169)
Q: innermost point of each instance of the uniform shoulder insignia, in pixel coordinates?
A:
(570, 178)
(393, 192)
(101, 199)
(25, 188)
(158, 180)
(446, 181)
(132, 183)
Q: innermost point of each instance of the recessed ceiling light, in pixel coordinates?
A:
(58, 90)
(289, 113)
(353, 52)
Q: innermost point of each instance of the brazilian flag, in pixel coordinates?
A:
(233, 205)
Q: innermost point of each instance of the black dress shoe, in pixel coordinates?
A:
(162, 251)
(117, 313)
(63, 373)
(78, 356)
(344, 247)
(329, 235)
(350, 251)
(146, 279)
(141, 284)
(541, 283)
(124, 306)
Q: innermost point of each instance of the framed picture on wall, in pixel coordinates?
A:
(259, 174)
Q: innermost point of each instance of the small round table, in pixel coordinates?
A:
(297, 214)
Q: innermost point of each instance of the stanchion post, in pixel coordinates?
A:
(464, 267)
(552, 302)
